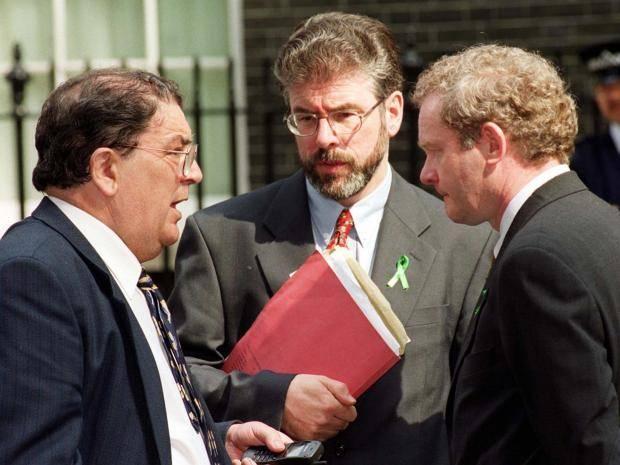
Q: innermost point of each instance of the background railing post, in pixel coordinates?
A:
(232, 124)
(197, 116)
(412, 65)
(18, 77)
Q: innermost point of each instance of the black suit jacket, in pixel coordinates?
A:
(78, 382)
(538, 379)
(232, 258)
(597, 162)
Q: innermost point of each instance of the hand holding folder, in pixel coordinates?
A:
(328, 319)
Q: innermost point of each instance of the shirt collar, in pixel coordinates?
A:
(324, 211)
(121, 262)
(614, 132)
(518, 200)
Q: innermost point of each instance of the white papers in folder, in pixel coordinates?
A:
(337, 261)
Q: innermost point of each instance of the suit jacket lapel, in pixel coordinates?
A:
(291, 228)
(149, 377)
(404, 221)
(473, 326)
(48, 213)
(560, 186)
(468, 341)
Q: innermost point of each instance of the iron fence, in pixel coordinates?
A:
(19, 80)
(404, 152)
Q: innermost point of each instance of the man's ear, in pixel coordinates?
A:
(493, 142)
(104, 170)
(394, 112)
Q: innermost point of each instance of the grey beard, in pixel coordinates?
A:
(332, 187)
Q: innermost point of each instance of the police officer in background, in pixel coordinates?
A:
(597, 157)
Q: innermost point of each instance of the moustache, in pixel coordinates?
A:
(338, 156)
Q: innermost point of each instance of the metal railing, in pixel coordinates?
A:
(19, 77)
(404, 152)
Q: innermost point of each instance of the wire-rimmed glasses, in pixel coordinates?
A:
(187, 157)
(341, 121)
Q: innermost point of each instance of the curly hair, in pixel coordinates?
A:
(518, 90)
(101, 108)
(329, 45)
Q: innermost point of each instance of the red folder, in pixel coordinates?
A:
(312, 325)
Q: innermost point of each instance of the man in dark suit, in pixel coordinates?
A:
(342, 81)
(597, 157)
(538, 376)
(91, 372)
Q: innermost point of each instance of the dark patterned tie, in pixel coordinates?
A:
(167, 334)
(344, 223)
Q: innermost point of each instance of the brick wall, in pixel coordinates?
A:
(557, 28)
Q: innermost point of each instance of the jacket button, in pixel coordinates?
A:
(340, 450)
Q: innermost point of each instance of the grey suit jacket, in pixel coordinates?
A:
(232, 258)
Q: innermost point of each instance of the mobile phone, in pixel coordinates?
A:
(296, 453)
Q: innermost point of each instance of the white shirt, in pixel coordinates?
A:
(518, 200)
(614, 132)
(187, 447)
(367, 215)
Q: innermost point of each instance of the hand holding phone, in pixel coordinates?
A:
(296, 453)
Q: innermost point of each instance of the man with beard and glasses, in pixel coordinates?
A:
(341, 78)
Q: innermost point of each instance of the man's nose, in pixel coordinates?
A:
(195, 174)
(428, 175)
(325, 135)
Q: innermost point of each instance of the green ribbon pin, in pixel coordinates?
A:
(401, 267)
(481, 301)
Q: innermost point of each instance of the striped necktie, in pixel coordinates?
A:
(167, 334)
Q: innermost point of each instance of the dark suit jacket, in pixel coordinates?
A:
(78, 382)
(538, 379)
(597, 162)
(232, 258)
